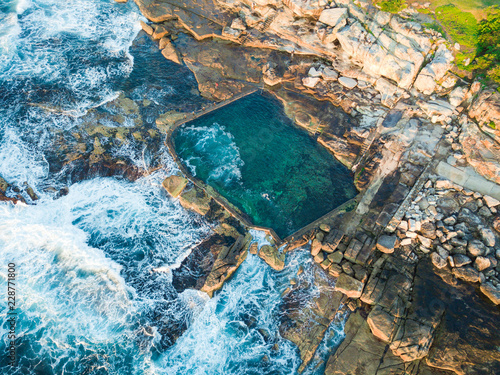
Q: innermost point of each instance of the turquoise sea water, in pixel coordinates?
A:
(254, 155)
(94, 267)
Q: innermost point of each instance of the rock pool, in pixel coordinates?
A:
(273, 171)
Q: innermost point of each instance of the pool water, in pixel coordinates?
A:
(254, 155)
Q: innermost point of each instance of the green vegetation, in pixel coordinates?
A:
(393, 6)
(488, 45)
(460, 26)
(436, 27)
(479, 41)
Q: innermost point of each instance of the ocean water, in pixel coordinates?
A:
(94, 267)
(273, 171)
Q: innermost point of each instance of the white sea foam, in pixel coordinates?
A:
(44, 39)
(74, 293)
(216, 146)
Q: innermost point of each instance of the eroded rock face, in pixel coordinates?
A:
(463, 344)
(481, 151)
(227, 262)
(486, 110)
(361, 352)
(308, 309)
(272, 256)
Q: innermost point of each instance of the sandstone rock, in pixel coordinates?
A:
(174, 185)
(486, 108)
(353, 250)
(405, 242)
(227, 262)
(467, 274)
(412, 340)
(272, 256)
(434, 71)
(238, 24)
(329, 74)
(320, 257)
(254, 248)
(325, 228)
(428, 230)
(347, 268)
(450, 220)
(3, 185)
(348, 82)
(381, 324)
(320, 236)
(348, 285)
(31, 193)
(438, 261)
(490, 201)
(170, 53)
(481, 263)
(487, 236)
(332, 17)
(313, 72)
(492, 292)
(386, 243)
(457, 96)
(336, 257)
(195, 199)
(315, 247)
(160, 32)
(360, 352)
(481, 151)
(335, 270)
(476, 248)
(310, 82)
(461, 260)
(146, 28)
(426, 242)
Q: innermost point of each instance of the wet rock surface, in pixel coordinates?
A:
(416, 259)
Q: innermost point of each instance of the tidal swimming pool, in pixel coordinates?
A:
(254, 155)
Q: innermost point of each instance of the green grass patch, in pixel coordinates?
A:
(435, 26)
(460, 26)
(392, 6)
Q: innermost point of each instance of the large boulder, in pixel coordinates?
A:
(272, 256)
(492, 292)
(348, 285)
(332, 17)
(386, 243)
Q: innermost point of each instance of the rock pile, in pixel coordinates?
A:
(455, 227)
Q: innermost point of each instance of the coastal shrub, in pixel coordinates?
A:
(392, 6)
(488, 45)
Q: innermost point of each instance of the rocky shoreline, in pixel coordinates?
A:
(415, 260)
